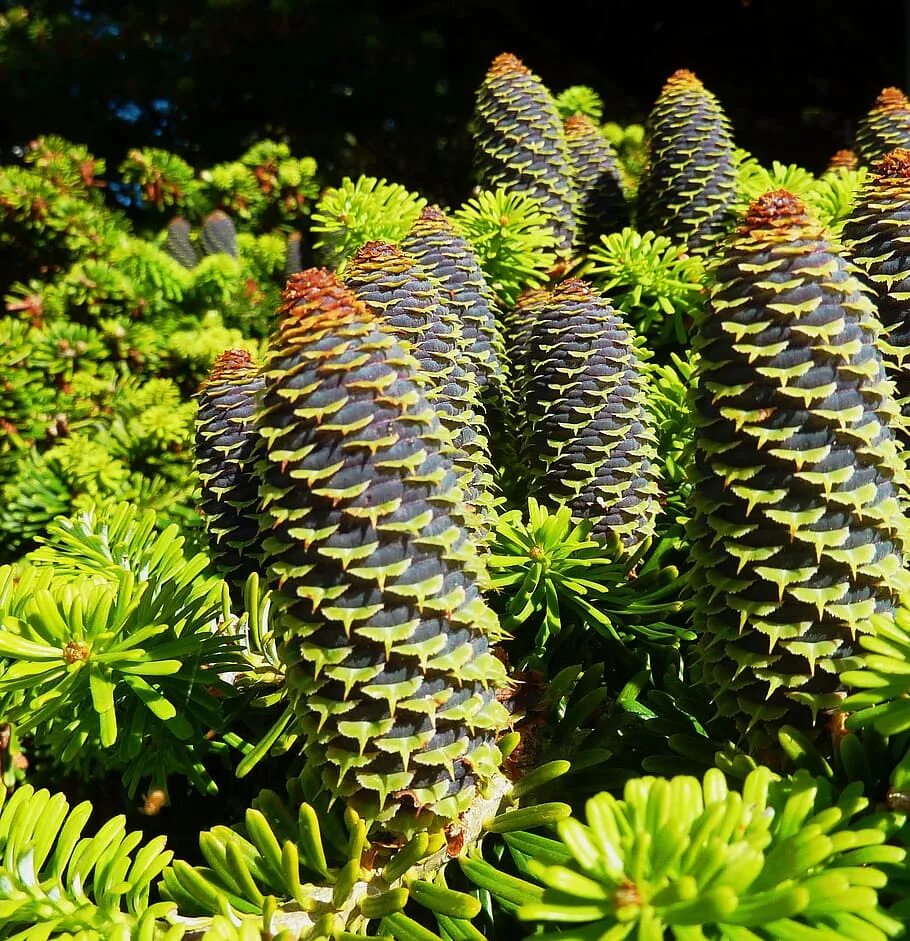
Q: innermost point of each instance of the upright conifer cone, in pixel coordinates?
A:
(877, 235)
(226, 442)
(602, 206)
(219, 236)
(589, 443)
(842, 160)
(393, 284)
(885, 127)
(519, 143)
(385, 633)
(689, 180)
(451, 261)
(798, 533)
(178, 244)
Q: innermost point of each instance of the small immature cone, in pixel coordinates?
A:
(877, 235)
(451, 261)
(885, 127)
(384, 631)
(689, 181)
(178, 244)
(798, 530)
(589, 442)
(602, 206)
(519, 143)
(392, 283)
(225, 452)
(293, 258)
(219, 235)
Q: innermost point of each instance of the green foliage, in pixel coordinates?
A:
(656, 283)
(556, 578)
(580, 99)
(59, 883)
(109, 656)
(356, 212)
(510, 234)
(780, 859)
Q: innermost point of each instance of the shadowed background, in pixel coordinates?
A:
(387, 88)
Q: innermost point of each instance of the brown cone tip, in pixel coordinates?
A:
(377, 251)
(433, 214)
(892, 99)
(229, 362)
(579, 124)
(845, 159)
(776, 209)
(217, 214)
(573, 286)
(531, 296)
(683, 78)
(506, 62)
(318, 297)
(895, 165)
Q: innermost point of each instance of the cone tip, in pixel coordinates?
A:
(775, 208)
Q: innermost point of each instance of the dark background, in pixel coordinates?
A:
(387, 88)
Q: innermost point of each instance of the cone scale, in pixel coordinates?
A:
(798, 533)
(385, 634)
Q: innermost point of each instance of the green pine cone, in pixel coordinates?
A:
(225, 449)
(602, 206)
(689, 182)
(519, 143)
(885, 127)
(588, 441)
(408, 297)
(451, 261)
(385, 633)
(876, 236)
(798, 531)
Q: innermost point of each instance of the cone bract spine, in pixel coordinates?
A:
(588, 439)
(689, 181)
(798, 532)
(519, 142)
(385, 633)
(225, 449)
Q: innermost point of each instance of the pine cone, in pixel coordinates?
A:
(519, 143)
(219, 235)
(178, 244)
(589, 443)
(689, 181)
(875, 236)
(885, 127)
(798, 533)
(451, 261)
(393, 284)
(602, 206)
(385, 633)
(226, 444)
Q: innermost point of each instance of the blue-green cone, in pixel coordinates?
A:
(689, 181)
(588, 440)
(602, 206)
(413, 308)
(384, 631)
(519, 143)
(798, 530)
(225, 447)
(451, 261)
